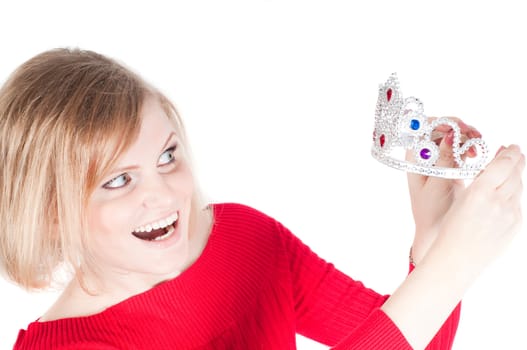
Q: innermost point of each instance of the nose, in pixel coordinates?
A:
(156, 192)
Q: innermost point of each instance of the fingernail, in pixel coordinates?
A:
(499, 150)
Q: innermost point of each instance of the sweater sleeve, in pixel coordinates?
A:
(338, 311)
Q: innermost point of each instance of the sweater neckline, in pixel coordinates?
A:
(192, 272)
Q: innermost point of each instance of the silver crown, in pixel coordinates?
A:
(402, 126)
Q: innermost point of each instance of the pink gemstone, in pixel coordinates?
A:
(382, 139)
(389, 94)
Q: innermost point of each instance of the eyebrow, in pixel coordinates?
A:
(171, 136)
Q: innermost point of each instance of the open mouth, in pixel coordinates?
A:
(157, 231)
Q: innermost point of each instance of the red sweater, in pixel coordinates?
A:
(254, 287)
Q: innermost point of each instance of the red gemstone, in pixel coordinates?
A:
(382, 139)
(389, 94)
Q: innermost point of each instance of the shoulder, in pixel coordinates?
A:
(237, 209)
(247, 230)
(260, 232)
(243, 226)
(241, 215)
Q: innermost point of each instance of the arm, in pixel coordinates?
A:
(332, 308)
(464, 244)
(379, 332)
(444, 339)
(479, 224)
(431, 198)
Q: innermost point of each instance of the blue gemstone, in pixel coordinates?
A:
(414, 124)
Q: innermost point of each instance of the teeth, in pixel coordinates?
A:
(166, 235)
(158, 224)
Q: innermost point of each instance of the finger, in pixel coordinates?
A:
(514, 208)
(463, 127)
(443, 133)
(446, 156)
(437, 137)
(446, 159)
(467, 132)
(500, 168)
(513, 187)
(472, 133)
(414, 180)
(516, 197)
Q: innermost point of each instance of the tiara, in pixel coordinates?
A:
(401, 126)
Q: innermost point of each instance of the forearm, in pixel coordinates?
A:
(421, 244)
(423, 302)
(444, 338)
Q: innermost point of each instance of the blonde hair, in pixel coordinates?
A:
(66, 116)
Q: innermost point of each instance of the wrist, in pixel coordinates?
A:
(421, 244)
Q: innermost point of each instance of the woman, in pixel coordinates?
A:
(97, 178)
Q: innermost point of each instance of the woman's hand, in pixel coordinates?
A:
(484, 217)
(431, 197)
(478, 225)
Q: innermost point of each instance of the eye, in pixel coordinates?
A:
(168, 156)
(117, 182)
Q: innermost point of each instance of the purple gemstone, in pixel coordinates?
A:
(425, 153)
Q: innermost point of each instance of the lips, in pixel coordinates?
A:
(159, 230)
(154, 234)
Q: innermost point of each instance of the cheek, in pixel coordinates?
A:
(105, 219)
(182, 183)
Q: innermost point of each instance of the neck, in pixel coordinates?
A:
(119, 285)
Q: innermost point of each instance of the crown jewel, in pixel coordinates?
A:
(402, 126)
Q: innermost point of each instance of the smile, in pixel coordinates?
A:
(157, 231)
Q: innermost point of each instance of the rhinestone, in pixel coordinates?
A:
(415, 124)
(425, 153)
(406, 126)
(406, 140)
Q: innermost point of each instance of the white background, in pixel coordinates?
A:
(278, 98)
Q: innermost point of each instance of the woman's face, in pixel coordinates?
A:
(138, 217)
